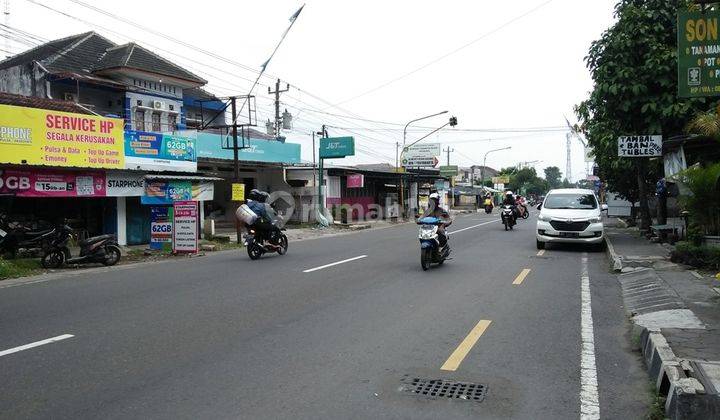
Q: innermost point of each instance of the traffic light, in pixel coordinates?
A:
(453, 121)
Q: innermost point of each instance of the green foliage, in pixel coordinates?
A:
(695, 255)
(553, 176)
(634, 70)
(704, 202)
(706, 124)
(18, 267)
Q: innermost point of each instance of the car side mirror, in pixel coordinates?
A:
(603, 207)
(539, 207)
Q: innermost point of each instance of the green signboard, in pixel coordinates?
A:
(450, 170)
(337, 147)
(698, 54)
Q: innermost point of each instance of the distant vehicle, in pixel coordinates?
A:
(570, 216)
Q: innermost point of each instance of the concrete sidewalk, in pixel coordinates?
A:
(676, 313)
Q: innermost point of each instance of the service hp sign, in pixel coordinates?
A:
(639, 146)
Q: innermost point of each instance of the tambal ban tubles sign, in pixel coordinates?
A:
(639, 146)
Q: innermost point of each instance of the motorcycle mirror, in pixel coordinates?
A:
(539, 207)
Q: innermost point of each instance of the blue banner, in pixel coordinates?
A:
(211, 146)
(155, 151)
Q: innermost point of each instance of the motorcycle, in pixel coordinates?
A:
(523, 210)
(430, 249)
(17, 239)
(259, 242)
(488, 206)
(508, 217)
(102, 249)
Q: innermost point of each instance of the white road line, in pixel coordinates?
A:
(471, 227)
(35, 344)
(589, 398)
(310, 270)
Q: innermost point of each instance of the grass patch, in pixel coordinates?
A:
(19, 268)
(656, 411)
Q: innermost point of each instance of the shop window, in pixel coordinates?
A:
(140, 120)
(156, 122)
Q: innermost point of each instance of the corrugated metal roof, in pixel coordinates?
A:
(42, 103)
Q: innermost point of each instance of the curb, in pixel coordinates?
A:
(615, 259)
(686, 396)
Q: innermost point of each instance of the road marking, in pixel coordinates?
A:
(453, 362)
(589, 399)
(696, 275)
(470, 227)
(310, 270)
(540, 253)
(520, 277)
(36, 344)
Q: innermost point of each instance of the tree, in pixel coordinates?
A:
(553, 176)
(634, 69)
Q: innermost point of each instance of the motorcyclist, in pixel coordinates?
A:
(263, 225)
(509, 200)
(488, 200)
(434, 210)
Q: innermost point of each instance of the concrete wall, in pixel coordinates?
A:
(147, 101)
(23, 80)
(102, 101)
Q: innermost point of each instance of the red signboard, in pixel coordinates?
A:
(355, 181)
(40, 183)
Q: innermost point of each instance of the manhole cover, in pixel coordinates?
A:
(441, 388)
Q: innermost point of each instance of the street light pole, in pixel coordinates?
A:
(482, 170)
(402, 191)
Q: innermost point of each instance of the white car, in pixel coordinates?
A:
(570, 216)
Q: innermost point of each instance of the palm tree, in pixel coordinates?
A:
(706, 124)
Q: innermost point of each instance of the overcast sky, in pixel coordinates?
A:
(522, 71)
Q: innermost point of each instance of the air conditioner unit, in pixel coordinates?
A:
(157, 104)
(70, 96)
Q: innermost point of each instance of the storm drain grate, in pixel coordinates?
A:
(440, 388)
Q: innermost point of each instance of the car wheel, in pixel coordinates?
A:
(540, 245)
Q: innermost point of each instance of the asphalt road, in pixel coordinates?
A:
(225, 337)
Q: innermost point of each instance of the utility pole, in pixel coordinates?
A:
(313, 151)
(452, 188)
(568, 162)
(448, 151)
(277, 92)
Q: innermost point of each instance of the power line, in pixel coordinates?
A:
(442, 57)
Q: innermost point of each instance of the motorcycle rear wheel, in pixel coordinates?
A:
(425, 258)
(505, 222)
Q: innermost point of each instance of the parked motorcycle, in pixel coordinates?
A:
(18, 239)
(507, 216)
(430, 249)
(102, 249)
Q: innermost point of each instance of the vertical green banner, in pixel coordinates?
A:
(698, 54)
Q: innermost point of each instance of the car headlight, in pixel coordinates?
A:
(594, 220)
(544, 218)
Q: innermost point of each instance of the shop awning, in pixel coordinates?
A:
(184, 177)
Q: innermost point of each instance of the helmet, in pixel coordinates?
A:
(435, 196)
(254, 194)
(508, 192)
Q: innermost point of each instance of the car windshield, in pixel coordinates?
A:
(571, 201)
